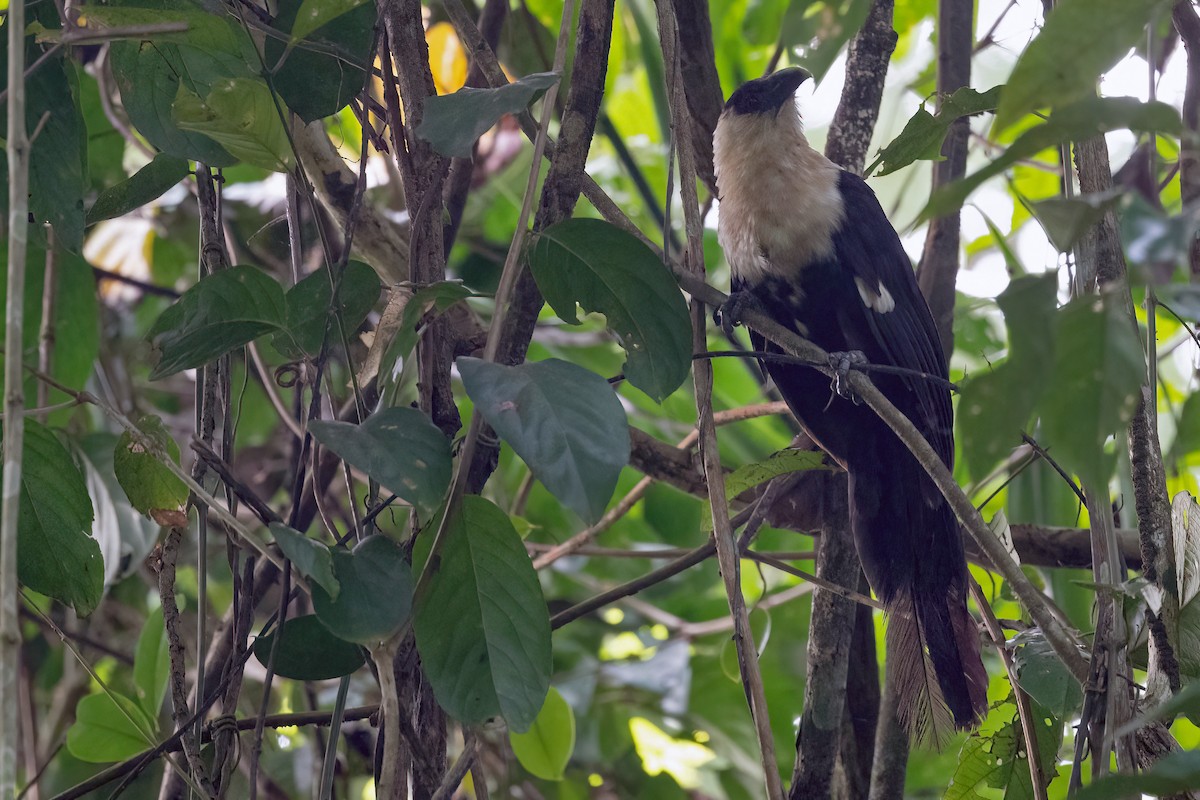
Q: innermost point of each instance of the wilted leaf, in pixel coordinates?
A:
(223, 311)
(565, 422)
(1080, 40)
(482, 629)
(148, 483)
(375, 592)
(399, 447)
(546, 747)
(311, 558)
(239, 114)
(453, 122)
(308, 651)
(602, 268)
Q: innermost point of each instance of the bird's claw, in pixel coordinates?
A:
(842, 363)
(729, 315)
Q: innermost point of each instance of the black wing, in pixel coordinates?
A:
(866, 247)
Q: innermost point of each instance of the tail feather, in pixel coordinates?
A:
(933, 656)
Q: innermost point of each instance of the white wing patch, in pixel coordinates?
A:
(879, 300)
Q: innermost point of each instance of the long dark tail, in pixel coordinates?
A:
(911, 550)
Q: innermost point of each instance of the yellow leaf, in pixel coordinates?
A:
(447, 59)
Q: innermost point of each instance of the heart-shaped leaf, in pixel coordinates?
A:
(309, 303)
(565, 422)
(375, 596)
(399, 447)
(602, 268)
(105, 731)
(308, 651)
(223, 311)
(482, 629)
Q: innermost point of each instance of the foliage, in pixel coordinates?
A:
(316, 404)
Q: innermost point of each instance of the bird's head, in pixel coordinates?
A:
(767, 96)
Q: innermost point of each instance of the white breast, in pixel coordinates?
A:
(779, 202)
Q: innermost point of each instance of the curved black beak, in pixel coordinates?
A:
(781, 85)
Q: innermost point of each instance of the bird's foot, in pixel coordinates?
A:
(842, 363)
(729, 315)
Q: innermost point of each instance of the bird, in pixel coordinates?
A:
(809, 245)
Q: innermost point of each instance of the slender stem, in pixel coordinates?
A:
(335, 731)
(17, 151)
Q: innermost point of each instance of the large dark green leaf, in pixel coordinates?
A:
(1098, 371)
(1042, 674)
(594, 264)
(223, 311)
(1081, 120)
(565, 422)
(308, 651)
(375, 592)
(56, 554)
(399, 447)
(57, 157)
(1080, 40)
(482, 628)
(319, 61)
(924, 133)
(453, 122)
(996, 404)
(1173, 774)
(148, 483)
(147, 184)
(309, 308)
(1067, 219)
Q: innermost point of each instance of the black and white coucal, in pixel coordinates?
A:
(810, 243)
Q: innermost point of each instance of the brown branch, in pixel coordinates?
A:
(1187, 23)
(938, 270)
(701, 84)
(866, 69)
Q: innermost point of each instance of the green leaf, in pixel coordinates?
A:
(1152, 237)
(1080, 40)
(996, 405)
(748, 476)
(565, 422)
(998, 758)
(150, 75)
(310, 303)
(1082, 120)
(148, 183)
(152, 665)
(56, 554)
(311, 558)
(308, 651)
(375, 596)
(319, 56)
(148, 483)
(602, 268)
(57, 156)
(1067, 219)
(1172, 774)
(453, 122)
(399, 447)
(923, 134)
(104, 731)
(1043, 676)
(546, 747)
(222, 312)
(482, 629)
(436, 297)
(1093, 389)
(240, 114)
